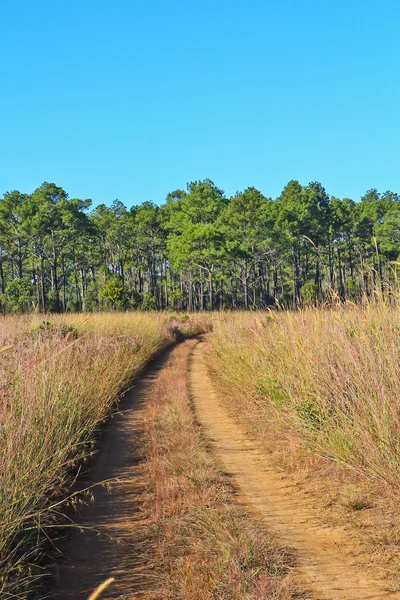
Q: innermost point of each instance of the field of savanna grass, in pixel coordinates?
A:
(318, 387)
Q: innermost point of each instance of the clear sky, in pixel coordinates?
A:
(132, 99)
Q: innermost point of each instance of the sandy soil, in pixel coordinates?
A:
(328, 557)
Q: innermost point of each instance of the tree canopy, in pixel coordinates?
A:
(200, 250)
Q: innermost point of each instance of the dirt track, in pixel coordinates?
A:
(326, 556)
(110, 543)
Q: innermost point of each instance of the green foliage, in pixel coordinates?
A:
(43, 331)
(148, 302)
(92, 299)
(353, 289)
(3, 303)
(176, 300)
(309, 293)
(19, 294)
(135, 299)
(53, 302)
(200, 250)
(113, 295)
(69, 331)
(47, 329)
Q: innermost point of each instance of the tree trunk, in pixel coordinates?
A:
(36, 281)
(317, 273)
(139, 281)
(275, 284)
(43, 290)
(64, 283)
(20, 273)
(55, 276)
(381, 274)
(166, 283)
(121, 268)
(201, 291)
(296, 278)
(2, 282)
(330, 260)
(245, 286)
(341, 286)
(190, 292)
(77, 296)
(82, 273)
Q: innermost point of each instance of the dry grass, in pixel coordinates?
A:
(320, 388)
(103, 586)
(59, 380)
(208, 547)
(333, 376)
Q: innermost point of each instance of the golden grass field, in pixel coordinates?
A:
(318, 387)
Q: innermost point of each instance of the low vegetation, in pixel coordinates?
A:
(207, 546)
(59, 379)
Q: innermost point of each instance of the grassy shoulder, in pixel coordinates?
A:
(319, 389)
(59, 380)
(206, 546)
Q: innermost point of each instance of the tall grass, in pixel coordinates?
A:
(58, 381)
(330, 378)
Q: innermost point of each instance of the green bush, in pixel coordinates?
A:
(352, 288)
(91, 303)
(53, 302)
(113, 295)
(176, 300)
(19, 295)
(148, 302)
(309, 293)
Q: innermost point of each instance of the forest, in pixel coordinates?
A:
(200, 250)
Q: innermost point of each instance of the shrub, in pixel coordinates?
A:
(176, 300)
(20, 295)
(91, 299)
(309, 293)
(113, 295)
(148, 302)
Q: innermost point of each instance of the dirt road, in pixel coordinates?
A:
(327, 557)
(110, 543)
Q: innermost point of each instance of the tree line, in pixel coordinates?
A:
(200, 250)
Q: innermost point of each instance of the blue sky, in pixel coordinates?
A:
(131, 100)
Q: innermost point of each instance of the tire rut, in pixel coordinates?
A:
(108, 543)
